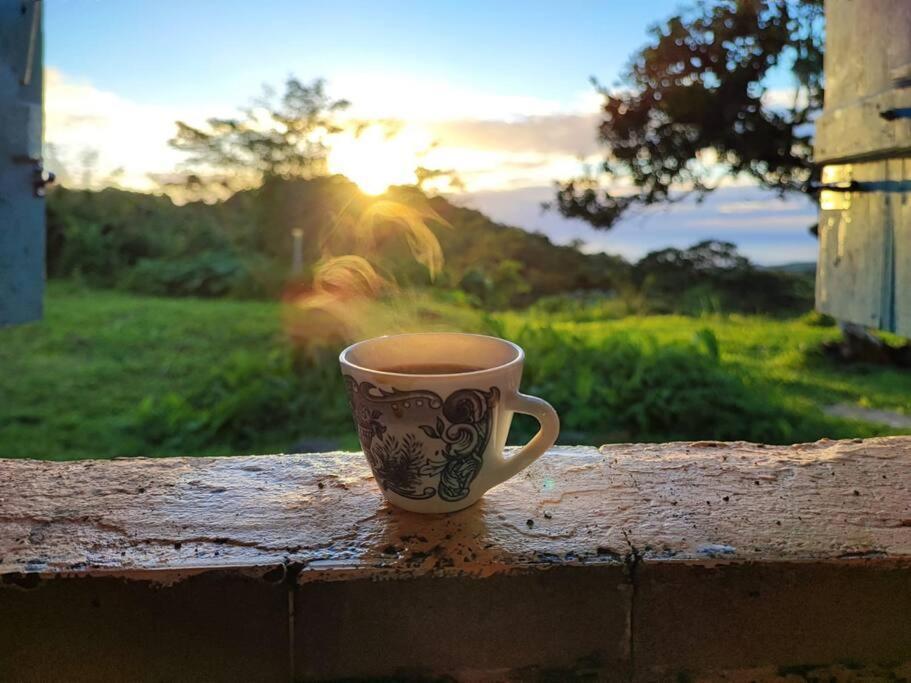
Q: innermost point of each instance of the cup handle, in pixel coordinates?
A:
(546, 437)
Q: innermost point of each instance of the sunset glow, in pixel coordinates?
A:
(501, 116)
(377, 159)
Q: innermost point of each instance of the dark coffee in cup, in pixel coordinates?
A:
(431, 369)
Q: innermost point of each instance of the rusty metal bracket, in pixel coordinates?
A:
(895, 113)
(32, 41)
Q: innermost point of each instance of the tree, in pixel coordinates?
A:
(714, 272)
(282, 137)
(694, 107)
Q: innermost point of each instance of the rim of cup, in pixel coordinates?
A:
(517, 360)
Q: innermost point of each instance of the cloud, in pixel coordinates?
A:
(769, 223)
(570, 134)
(766, 235)
(771, 204)
(492, 140)
(398, 96)
(496, 169)
(130, 138)
(73, 120)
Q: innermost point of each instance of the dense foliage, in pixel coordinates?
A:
(242, 248)
(146, 243)
(634, 388)
(619, 388)
(712, 277)
(247, 397)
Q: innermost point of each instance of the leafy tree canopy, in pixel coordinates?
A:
(713, 275)
(277, 137)
(694, 106)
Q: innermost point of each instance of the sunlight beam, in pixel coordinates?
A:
(375, 160)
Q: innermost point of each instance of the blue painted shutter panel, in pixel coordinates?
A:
(22, 213)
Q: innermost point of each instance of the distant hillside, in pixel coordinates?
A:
(108, 236)
(797, 268)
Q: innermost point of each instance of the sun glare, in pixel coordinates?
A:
(375, 161)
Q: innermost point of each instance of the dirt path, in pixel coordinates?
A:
(854, 412)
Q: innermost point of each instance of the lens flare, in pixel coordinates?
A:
(352, 292)
(376, 160)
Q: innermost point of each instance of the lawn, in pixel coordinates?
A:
(72, 385)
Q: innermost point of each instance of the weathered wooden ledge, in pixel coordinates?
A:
(640, 562)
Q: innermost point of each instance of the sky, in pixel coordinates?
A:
(498, 91)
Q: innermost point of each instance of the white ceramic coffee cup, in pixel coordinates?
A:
(435, 441)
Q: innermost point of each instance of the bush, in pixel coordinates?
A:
(817, 319)
(90, 254)
(701, 300)
(254, 399)
(621, 387)
(209, 274)
(580, 307)
(102, 237)
(712, 277)
(633, 388)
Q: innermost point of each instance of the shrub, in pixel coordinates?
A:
(205, 275)
(712, 277)
(703, 299)
(580, 307)
(627, 387)
(622, 387)
(817, 319)
(99, 235)
(90, 254)
(254, 399)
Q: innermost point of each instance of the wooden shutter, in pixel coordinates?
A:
(22, 219)
(863, 141)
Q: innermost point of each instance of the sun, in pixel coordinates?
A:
(374, 160)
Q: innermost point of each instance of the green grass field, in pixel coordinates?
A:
(71, 385)
(68, 383)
